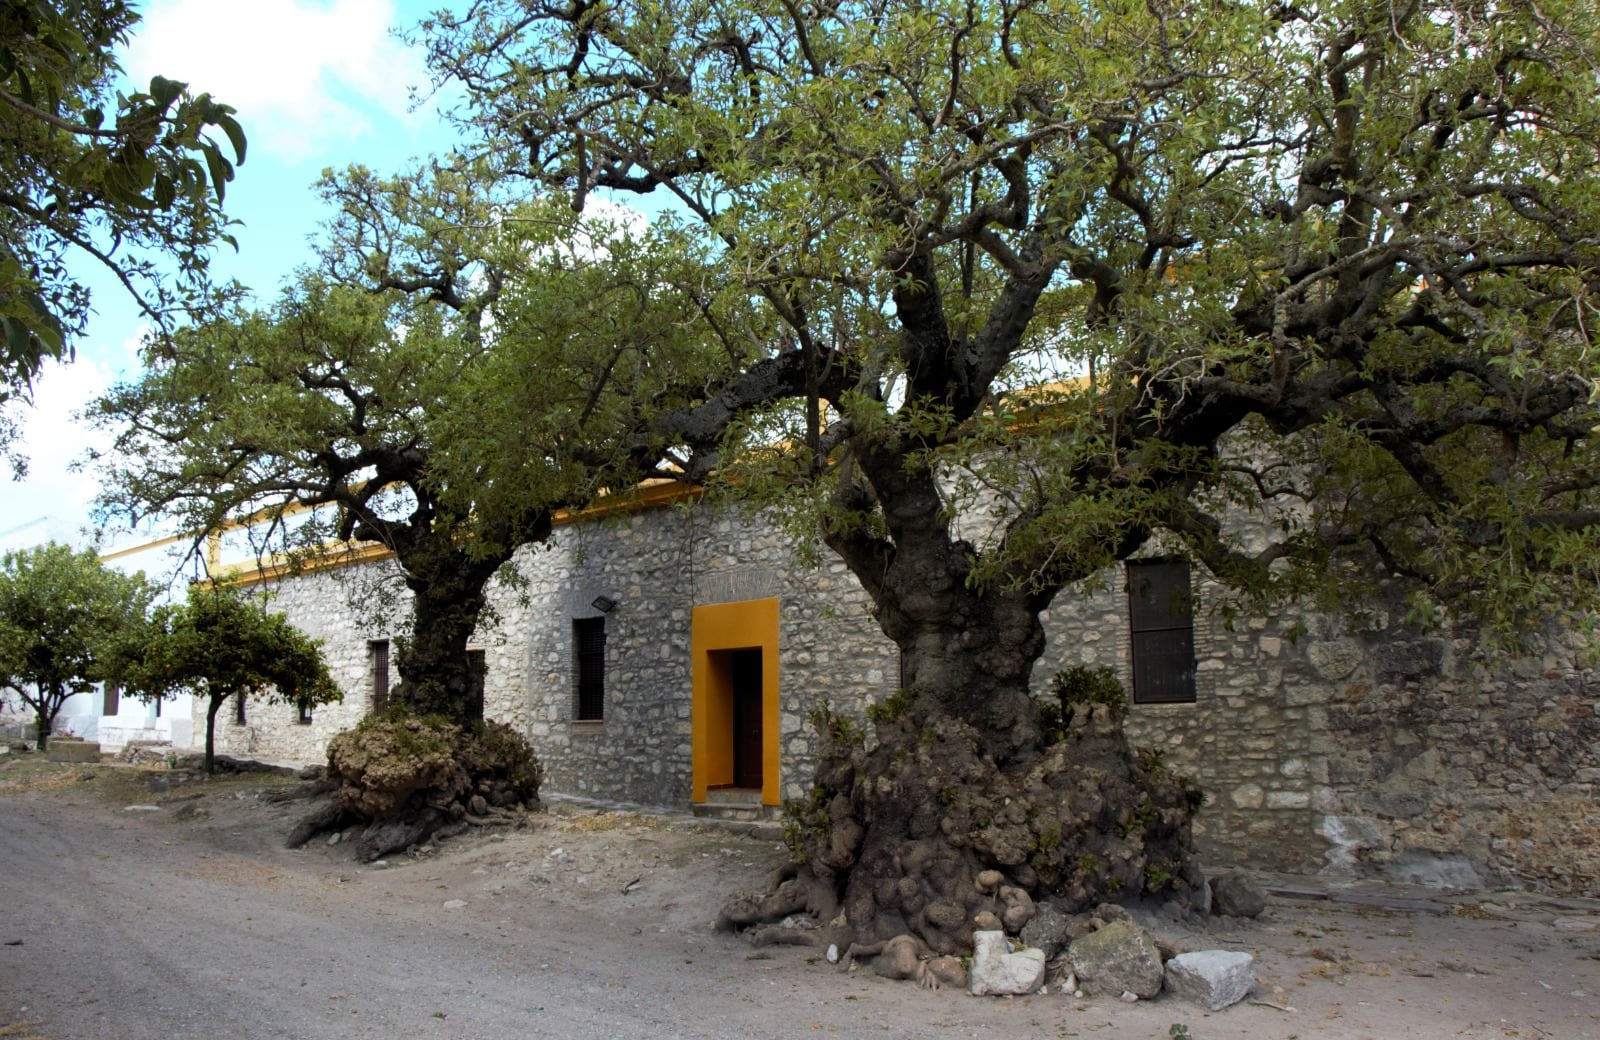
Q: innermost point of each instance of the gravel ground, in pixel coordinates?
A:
(136, 907)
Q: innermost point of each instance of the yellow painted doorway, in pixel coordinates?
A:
(735, 717)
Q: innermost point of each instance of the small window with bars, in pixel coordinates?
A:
(589, 671)
(378, 651)
(478, 668)
(303, 714)
(112, 700)
(1161, 621)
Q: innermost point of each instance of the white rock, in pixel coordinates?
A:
(1214, 979)
(454, 904)
(1129, 997)
(997, 972)
(1575, 924)
(833, 953)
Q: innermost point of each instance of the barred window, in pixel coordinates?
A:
(589, 671)
(478, 667)
(378, 651)
(1161, 620)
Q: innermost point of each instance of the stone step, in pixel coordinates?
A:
(61, 749)
(733, 796)
(733, 805)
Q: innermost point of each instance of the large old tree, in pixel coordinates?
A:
(1060, 284)
(342, 412)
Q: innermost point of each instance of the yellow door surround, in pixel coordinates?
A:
(748, 625)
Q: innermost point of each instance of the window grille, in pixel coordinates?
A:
(1161, 620)
(589, 655)
(378, 650)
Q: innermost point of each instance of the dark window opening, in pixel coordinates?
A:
(1161, 620)
(589, 653)
(238, 707)
(378, 650)
(478, 666)
(113, 699)
(304, 716)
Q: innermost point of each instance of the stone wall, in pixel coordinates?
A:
(329, 606)
(1321, 748)
(658, 566)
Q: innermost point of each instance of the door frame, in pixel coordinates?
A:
(746, 625)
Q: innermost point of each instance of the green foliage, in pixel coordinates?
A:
(806, 823)
(1083, 685)
(66, 623)
(1075, 687)
(132, 182)
(218, 645)
(1159, 876)
(499, 750)
(837, 731)
(1108, 279)
(891, 708)
(1152, 761)
(455, 373)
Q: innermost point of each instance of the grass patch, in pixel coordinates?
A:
(611, 821)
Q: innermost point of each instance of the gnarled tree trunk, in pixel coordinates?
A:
(960, 811)
(437, 676)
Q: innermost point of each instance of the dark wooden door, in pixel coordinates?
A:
(746, 666)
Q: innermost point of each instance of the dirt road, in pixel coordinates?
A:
(130, 913)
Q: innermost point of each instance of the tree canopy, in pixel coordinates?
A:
(1335, 263)
(66, 623)
(357, 396)
(1303, 292)
(218, 645)
(133, 183)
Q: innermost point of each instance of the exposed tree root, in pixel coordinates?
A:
(925, 836)
(412, 780)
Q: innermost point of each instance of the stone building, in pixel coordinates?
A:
(669, 653)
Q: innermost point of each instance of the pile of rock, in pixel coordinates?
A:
(1103, 952)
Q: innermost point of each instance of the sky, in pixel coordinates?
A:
(317, 83)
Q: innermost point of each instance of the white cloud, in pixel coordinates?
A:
(304, 75)
(55, 441)
(52, 441)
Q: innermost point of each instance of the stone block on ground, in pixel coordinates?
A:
(1047, 930)
(62, 750)
(1214, 979)
(996, 971)
(1234, 895)
(1121, 957)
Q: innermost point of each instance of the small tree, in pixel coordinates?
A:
(65, 624)
(217, 645)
